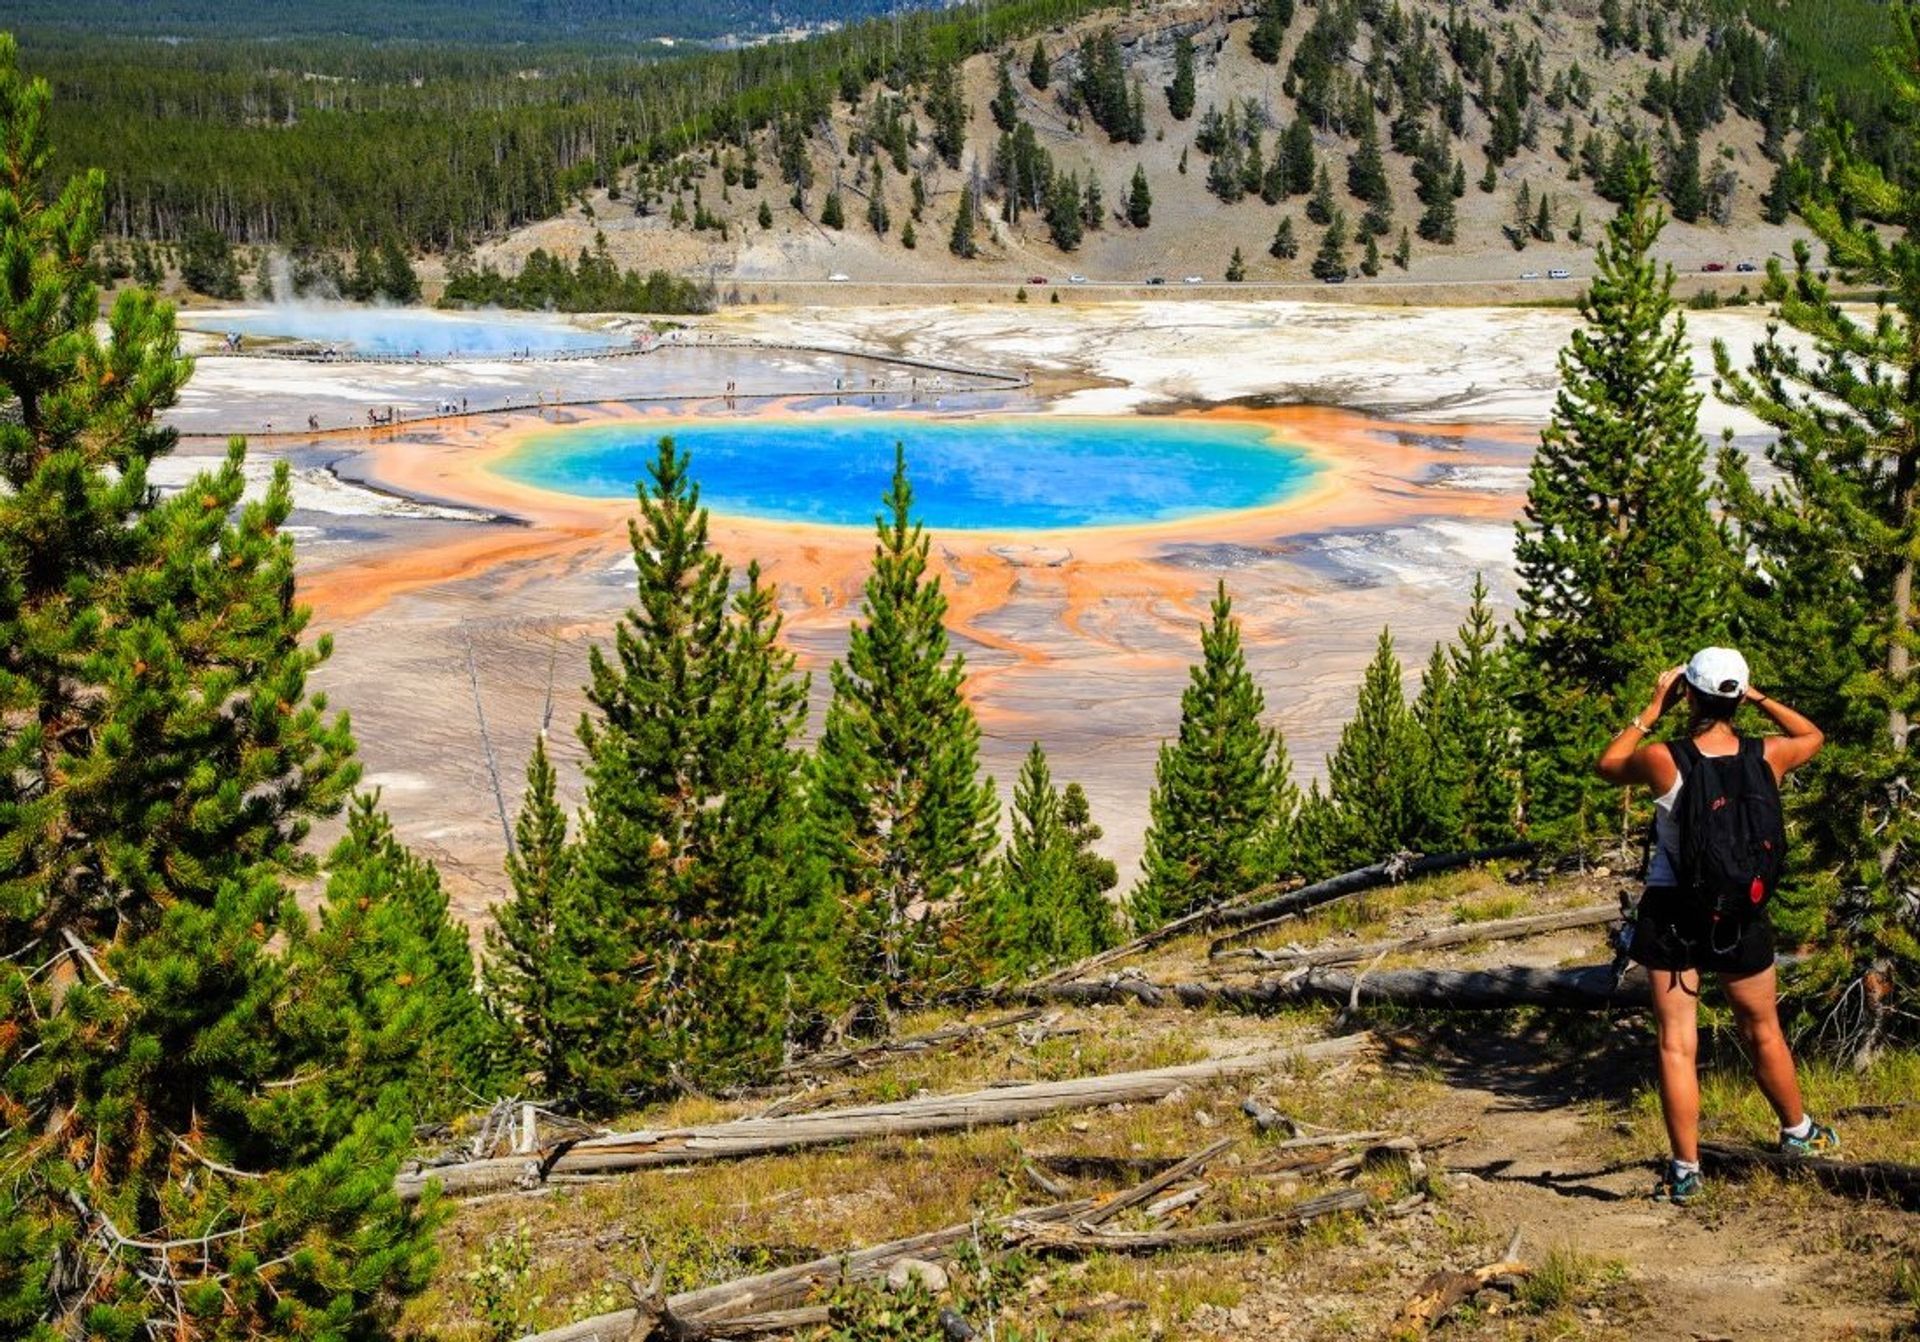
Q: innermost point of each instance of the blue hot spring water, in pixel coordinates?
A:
(368, 330)
(996, 473)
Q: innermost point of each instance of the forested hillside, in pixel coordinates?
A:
(1438, 127)
(441, 22)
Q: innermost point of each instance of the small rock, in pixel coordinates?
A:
(1203, 1118)
(955, 1328)
(1174, 1096)
(908, 1270)
(1081, 1125)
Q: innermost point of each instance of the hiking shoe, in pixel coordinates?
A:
(1677, 1188)
(1822, 1141)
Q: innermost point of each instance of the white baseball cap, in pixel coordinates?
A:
(1720, 672)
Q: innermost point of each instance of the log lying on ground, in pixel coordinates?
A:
(1262, 904)
(847, 1059)
(935, 1113)
(1252, 919)
(1507, 929)
(710, 1309)
(1899, 1184)
(1076, 1237)
(1585, 988)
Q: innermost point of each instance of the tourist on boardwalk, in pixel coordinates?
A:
(1718, 847)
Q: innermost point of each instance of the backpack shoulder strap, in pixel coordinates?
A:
(1685, 756)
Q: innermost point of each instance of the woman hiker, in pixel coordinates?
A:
(1676, 934)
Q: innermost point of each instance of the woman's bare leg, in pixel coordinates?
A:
(1756, 1008)
(1676, 1013)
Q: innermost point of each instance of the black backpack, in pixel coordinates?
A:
(1733, 838)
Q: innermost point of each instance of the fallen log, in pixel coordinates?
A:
(847, 1059)
(714, 1308)
(619, 1152)
(1507, 929)
(1898, 1184)
(1077, 1238)
(1585, 988)
(1252, 919)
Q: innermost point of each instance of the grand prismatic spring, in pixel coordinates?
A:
(989, 473)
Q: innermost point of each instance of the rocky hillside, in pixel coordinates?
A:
(1514, 114)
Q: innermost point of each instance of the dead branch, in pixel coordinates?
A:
(1200, 920)
(1153, 1187)
(617, 1152)
(1252, 919)
(733, 1308)
(1078, 1166)
(1437, 1295)
(1509, 929)
(849, 1059)
(1076, 1238)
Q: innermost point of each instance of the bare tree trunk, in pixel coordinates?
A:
(618, 1152)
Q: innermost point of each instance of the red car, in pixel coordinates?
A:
(1036, 279)
(1712, 266)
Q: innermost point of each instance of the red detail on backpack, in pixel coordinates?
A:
(1719, 802)
(1757, 891)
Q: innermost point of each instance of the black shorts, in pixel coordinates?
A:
(1672, 933)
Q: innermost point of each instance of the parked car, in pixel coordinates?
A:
(1746, 267)
(1036, 279)
(1558, 274)
(839, 277)
(1076, 279)
(1529, 274)
(1338, 277)
(1156, 279)
(1713, 267)
(1194, 279)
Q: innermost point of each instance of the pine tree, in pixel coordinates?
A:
(384, 984)
(1684, 189)
(1139, 199)
(1284, 246)
(1222, 798)
(902, 820)
(1039, 69)
(1331, 260)
(1370, 260)
(1092, 208)
(1620, 566)
(160, 763)
(1270, 30)
(676, 886)
(833, 213)
(1403, 253)
(1376, 774)
(1442, 781)
(960, 242)
(1320, 207)
(766, 215)
(1366, 172)
(1236, 267)
(1479, 720)
(948, 112)
(1093, 875)
(1048, 905)
(1180, 91)
(533, 965)
(877, 216)
(1828, 601)
(1005, 105)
